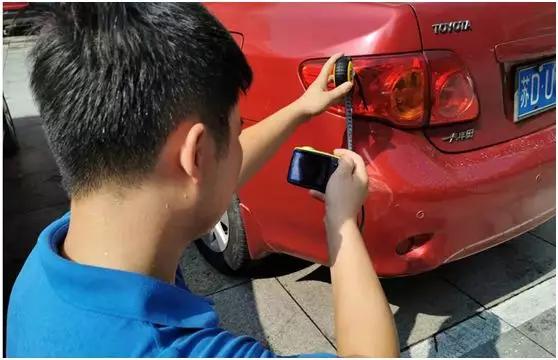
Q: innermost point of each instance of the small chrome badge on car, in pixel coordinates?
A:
(460, 136)
(452, 26)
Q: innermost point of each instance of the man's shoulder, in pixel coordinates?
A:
(30, 278)
(217, 342)
(41, 322)
(209, 342)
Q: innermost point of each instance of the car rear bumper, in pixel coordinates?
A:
(464, 203)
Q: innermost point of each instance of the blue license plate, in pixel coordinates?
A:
(535, 90)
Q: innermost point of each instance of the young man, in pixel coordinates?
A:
(139, 103)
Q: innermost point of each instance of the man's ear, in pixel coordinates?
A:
(191, 152)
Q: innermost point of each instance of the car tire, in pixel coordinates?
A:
(229, 255)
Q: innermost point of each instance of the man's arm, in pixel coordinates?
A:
(260, 141)
(364, 324)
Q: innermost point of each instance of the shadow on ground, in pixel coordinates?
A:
(427, 304)
(257, 305)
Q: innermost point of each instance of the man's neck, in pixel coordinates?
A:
(135, 233)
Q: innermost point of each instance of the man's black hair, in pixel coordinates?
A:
(112, 80)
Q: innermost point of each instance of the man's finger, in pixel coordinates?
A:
(342, 152)
(345, 166)
(340, 90)
(317, 195)
(327, 69)
(359, 165)
(360, 168)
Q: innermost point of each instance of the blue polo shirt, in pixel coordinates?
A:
(59, 308)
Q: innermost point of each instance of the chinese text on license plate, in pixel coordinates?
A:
(535, 90)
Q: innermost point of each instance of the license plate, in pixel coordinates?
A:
(535, 90)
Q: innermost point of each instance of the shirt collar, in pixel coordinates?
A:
(117, 292)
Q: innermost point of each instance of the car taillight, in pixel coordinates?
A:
(453, 94)
(396, 88)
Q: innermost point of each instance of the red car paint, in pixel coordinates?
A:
(14, 6)
(459, 198)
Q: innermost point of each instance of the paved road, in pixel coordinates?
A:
(500, 303)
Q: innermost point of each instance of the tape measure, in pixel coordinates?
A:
(343, 71)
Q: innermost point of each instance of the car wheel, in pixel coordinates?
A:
(225, 246)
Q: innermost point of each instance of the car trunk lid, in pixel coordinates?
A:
(493, 40)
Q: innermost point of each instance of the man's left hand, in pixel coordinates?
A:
(317, 97)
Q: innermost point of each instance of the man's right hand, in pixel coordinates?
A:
(346, 190)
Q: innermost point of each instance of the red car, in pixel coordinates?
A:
(19, 17)
(457, 129)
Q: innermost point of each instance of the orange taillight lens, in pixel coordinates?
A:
(407, 95)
